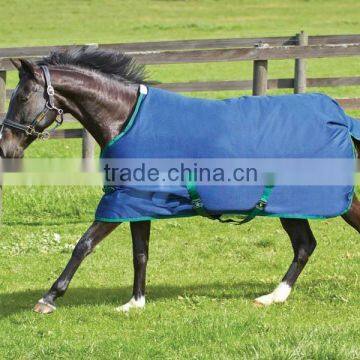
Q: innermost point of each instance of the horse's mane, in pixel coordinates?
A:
(111, 63)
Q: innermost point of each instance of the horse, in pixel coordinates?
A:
(100, 89)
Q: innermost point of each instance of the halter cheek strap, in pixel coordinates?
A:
(50, 90)
(49, 106)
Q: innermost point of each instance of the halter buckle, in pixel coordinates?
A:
(50, 90)
(30, 130)
(44, 135)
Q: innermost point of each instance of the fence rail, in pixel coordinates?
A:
(287, 83)
(234, 54)
(37, 51)
(346, 103)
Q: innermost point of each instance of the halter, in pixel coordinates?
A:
(49, 105)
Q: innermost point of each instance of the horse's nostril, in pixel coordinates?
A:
(2, 155)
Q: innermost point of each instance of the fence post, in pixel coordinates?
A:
(2, 110)
(260, 77)
(88, 145)
(88, 149)
(2, 91)
(300, 66)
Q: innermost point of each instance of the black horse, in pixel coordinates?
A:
(100, 89)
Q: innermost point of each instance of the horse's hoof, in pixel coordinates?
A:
(279, 295)
(43, 307)
(258, 304)
(132, 304)
(265, 300)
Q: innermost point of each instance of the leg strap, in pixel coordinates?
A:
(199, 208)
(257, 210)
(195, 198)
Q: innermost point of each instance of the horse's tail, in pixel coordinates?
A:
(355, 132)
(357, 147)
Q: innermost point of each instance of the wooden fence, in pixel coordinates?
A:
(258, 50)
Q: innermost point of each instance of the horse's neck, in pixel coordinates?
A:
(100, 104)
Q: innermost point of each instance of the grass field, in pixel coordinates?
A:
(202, 275)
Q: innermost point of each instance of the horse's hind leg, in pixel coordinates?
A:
(97, 232)
(352, 217)
(303, 243)
(140, 232)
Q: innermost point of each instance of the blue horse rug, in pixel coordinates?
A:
(167, 125)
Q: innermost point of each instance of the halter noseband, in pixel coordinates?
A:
(49, 105)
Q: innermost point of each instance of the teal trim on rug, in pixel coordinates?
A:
(128, 126)
(143, 218)
(287, 216)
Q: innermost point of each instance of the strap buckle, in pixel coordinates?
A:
(261, 205)
(196, 203)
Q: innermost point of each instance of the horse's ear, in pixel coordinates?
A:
(30, 68)
(27, 66)
(16, 63)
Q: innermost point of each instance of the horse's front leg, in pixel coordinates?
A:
(140, 232)
(97, 232)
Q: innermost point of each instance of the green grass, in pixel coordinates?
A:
(202, 275)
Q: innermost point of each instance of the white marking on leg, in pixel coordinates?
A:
(132, 304)
(279, 295)
(282, 292)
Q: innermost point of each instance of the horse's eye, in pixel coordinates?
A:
(24, 98)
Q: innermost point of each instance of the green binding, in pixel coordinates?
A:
(259, 208)
(196, 201)
(107, 189)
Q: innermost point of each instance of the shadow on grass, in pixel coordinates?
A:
(45, 222)
(17, 302)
